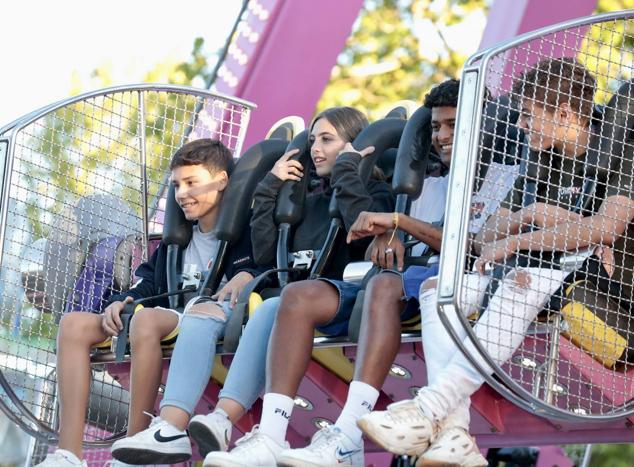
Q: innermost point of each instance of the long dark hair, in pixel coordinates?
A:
(348, 121)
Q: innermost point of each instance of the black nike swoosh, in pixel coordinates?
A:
(166, 439)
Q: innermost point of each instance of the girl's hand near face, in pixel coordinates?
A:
(364, 152)
(287, 169)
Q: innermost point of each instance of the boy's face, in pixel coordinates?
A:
(538, 124)
(443, 122)
(545, 128)
(197, 191)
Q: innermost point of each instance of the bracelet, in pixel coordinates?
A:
(395, 222)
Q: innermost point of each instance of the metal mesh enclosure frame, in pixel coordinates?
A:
(551, 374)
(83, 190)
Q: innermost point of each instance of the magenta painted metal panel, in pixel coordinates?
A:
(282, 57)
(510, 18)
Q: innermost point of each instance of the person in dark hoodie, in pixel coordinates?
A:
(336, 165)
(200, 172)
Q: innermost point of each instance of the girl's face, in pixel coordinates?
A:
(325, 146)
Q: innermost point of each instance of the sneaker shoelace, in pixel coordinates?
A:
(324, 438)
(59, 456)
(405, 414)
(154, 419)
(251, 439)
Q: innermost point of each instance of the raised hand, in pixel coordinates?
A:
(364, 152)
(287, 169)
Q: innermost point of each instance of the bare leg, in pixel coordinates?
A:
(147, 328)
(380, 335)
(78, 332)
(233, 409)
(304, 305)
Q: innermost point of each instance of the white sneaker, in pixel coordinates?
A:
(116, 463)
(62, 458)
(151, 446)
(329, 447)
(211, 432)
(253, 449)
(453, 447)
(401, 429)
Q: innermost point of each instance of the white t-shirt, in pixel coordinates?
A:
(430, 206)
(200, 254)
(200, 250)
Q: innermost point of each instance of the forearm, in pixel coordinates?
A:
(423, 231)
(571, 235)
(502, 224)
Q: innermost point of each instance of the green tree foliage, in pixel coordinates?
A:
(92, 146)
(384, 59)
(66, 152)
(612, 455)
(600, 50)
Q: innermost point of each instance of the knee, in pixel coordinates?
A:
(74, 328)
(385, 287)
(519, 279)
(298, 298)
(429, 284)
(204, 310)
(384, 291)
(143, 328)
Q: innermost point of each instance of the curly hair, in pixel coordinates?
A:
(210, 153)
(443, 95)
(555, 82)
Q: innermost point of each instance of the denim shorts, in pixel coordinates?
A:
(412, 279)
(338, 325)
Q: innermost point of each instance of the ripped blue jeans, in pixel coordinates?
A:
(193, 358)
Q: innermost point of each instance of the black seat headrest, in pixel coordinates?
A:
(284, 131)
(383, 135)
(501, 137)
(386, 162)
(607, 145)
(177, 230)
(413, 154)
(398, 112)
(236, 201)
(289, 207)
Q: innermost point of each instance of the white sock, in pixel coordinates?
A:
(219, 411)
(69, 455)
(360, 401)
(276, 413)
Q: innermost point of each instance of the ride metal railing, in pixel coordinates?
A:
(82, 183)
(576, 368)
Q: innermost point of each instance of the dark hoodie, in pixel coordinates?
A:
(310, 234)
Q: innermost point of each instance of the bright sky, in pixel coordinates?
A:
(43, 42)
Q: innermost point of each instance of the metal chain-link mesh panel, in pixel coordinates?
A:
(549, 262)
(85, 189)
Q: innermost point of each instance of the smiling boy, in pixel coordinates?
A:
(199, 172)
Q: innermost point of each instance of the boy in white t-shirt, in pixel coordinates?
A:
(199, 172)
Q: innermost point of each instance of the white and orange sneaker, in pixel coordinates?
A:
(453, 447)
(401, 429)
